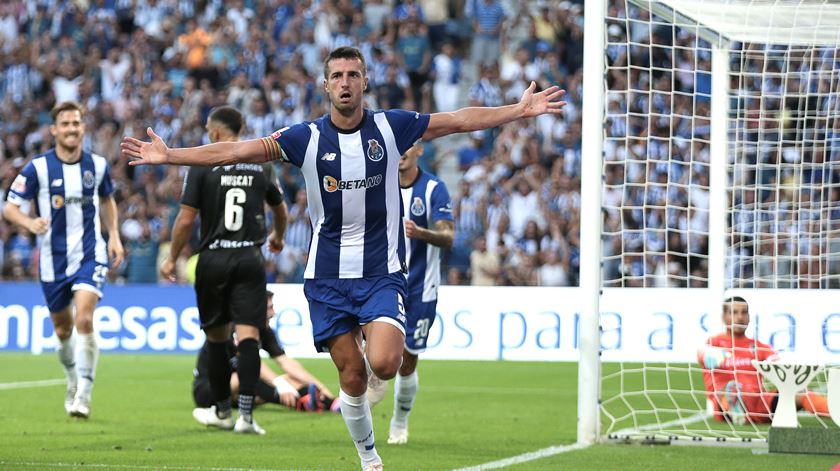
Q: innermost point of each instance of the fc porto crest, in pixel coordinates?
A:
(375, 152)
(417, 206)
(88, 180)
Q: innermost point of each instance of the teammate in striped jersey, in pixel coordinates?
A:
(428, 227)
(72, 188)
(354, 280)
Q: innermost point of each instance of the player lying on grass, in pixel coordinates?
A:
(733, 386)
(296, 389)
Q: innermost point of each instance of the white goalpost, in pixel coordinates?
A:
(711, 144)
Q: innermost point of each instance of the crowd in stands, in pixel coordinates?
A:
(515, 189)
(783, 212)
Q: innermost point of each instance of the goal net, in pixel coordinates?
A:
(767, 221)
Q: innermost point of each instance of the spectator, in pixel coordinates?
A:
(524, 204)
(136, 62)
(446, 71)
(518, 73)
(471, 153)
(484, 264)
(488, 22)
(195, 41)
(553, 272)
(416, 55)
(143, 253)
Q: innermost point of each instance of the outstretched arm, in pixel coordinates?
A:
(298, 373)
(479, 117)
(219, 153)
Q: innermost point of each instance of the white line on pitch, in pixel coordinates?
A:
(32, 384)
(525, 457)
(124, 466)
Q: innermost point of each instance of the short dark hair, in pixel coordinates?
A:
(229, 117)
(66, 106)
(344, 52)
(733, 299)
(269, 294)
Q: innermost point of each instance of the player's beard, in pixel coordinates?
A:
(72, 146)
(346, 108)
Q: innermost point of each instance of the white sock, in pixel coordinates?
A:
(67, 356)
(405, 390)
(356, 414)
(86, 355)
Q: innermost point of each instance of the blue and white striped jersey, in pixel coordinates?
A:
(425, 202)
(353, 188)
(68, 195)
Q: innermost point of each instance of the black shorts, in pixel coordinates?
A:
(230, 286)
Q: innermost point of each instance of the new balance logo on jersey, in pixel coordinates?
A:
(329, 156)
(331, 184)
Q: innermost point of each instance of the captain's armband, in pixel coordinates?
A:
(272, 149)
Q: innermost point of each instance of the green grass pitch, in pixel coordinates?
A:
(466, 414)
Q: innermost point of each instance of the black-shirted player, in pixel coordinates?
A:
(230, 274)
(296, 388)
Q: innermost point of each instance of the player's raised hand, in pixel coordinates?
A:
(154, 152)
(38, 226)
(546, 101)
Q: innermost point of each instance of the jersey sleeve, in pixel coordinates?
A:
(293, 141)
(191, 193)
(106, 186)
(408, 127)
(25, 186)
(269, 342)
(766, 352)
(441, 203)
(273, 190)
